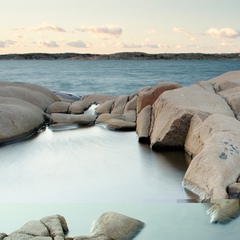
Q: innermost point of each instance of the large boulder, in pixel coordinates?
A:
(19, 119)
(216, 146)
(148, 96)
(173, 110)
(32, 93)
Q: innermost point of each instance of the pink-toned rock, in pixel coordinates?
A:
(173, 110)
(144, 124)
(148, 96)
(119, 105)
(58, 107)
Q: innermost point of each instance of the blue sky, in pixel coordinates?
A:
(109, 26)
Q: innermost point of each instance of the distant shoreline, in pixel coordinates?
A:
(121, 56)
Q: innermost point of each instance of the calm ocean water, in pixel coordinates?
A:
(84, 172)
(111, 77)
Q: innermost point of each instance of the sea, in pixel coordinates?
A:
(81, 173)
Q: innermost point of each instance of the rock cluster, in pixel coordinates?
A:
(109, 226)
(202, 119)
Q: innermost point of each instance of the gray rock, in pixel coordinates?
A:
(117, 226)
(81, 119)
(34, 94)
(79, 107)
(58, 107)
(18, 119)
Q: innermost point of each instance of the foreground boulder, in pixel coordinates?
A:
(48, 228)
(109, 226)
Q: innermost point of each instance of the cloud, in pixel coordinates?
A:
(223, 33)
(182, 31)
(43, 27)
(141, 45)
(151, 31)
(50, 44)
(105, 31)
(7, 43)
(77, 44)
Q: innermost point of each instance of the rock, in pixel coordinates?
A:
(224, 211)
(67, 97)
(149, 96)
(58, 107)
(103, 118)
(144, 124)
(105, 107)
(227, 86)
(228, 80)
(56, 225)
(173, 110)
(119, 105)
(79, 107)
(117, 226)
(81, 119)
(99, 98)
(2, 236)
(94, 237)
(34, 94)
(19, 119)
(131, 105)
(233, 190)
(119, 124)
(216, 164)
(48, 228)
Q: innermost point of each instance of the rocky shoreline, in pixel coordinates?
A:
(121, 56)
(202, 119)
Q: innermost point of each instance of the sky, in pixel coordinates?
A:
(110, 26)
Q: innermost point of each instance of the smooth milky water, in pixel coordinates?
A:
(84, 172)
